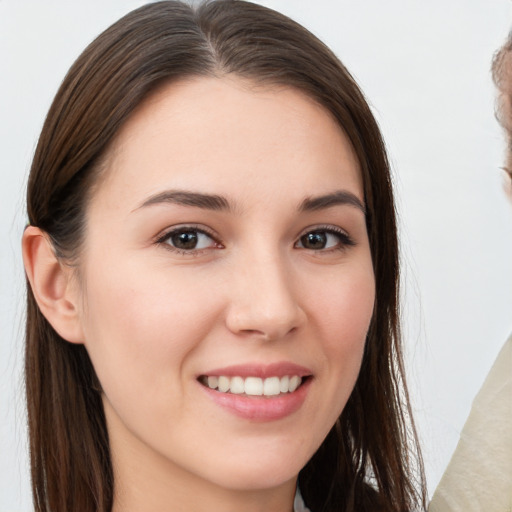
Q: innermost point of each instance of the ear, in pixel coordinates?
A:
(55, 290)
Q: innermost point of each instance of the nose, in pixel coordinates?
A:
(264, 302)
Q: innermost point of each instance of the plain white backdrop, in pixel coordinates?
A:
(425, 68)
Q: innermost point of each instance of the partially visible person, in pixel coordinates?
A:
(479, 475)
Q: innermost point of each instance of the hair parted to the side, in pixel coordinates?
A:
(370, 460)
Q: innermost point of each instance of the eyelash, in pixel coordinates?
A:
(344, 240)
(164, 240)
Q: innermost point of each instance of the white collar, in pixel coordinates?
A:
(298, 503)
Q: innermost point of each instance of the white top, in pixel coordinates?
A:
(298, 503)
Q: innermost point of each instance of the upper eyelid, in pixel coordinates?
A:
(323, 227)
(164, 234)
(163, 240)
(345, 238)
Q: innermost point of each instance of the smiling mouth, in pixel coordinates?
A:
(253, 386)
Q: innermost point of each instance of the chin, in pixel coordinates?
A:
(257, 477)
(253, 469)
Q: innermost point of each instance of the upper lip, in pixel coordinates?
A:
(280, 369)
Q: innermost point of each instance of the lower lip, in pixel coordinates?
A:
(261, 408)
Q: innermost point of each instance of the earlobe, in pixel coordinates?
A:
(52, 285)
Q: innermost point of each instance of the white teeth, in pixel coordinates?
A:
(271, 386)
(284, 384)
(294, 383)
(213, 382)
(223, 383)
(237, 385)
(254, 386)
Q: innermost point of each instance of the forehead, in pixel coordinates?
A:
(223, 132)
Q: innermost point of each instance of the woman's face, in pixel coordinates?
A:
(226, 256)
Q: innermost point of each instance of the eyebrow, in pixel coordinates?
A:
(340, 197)
(184, 198)
(219, 203)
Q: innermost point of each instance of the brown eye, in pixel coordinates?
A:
(315, 240)
(322, 239)
(187, 239)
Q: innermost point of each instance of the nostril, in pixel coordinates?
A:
(255, 333)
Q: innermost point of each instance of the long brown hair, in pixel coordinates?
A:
(370, 460)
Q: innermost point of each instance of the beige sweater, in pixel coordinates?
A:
(479, 475)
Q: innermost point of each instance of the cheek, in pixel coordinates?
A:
(344, 308)
(343, 313)
(140, 324)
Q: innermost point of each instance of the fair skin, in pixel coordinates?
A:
(227, 238)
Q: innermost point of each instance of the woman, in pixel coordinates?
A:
(213, 268)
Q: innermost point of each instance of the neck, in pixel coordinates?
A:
(143, 489)
(145, 481)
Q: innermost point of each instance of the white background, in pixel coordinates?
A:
(424, 65)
